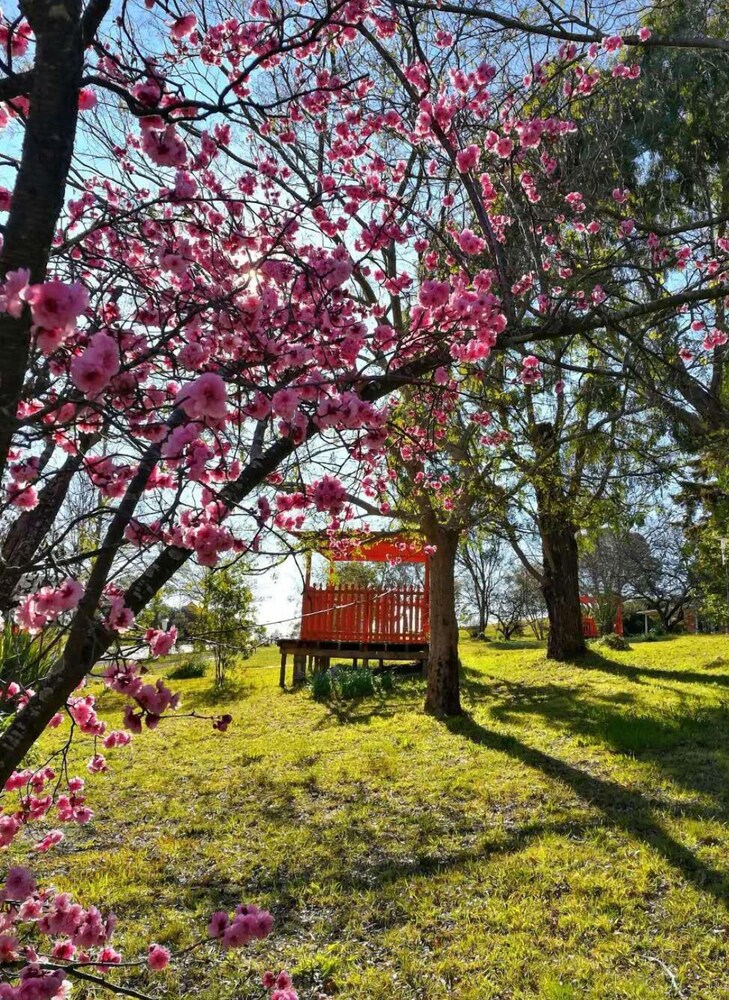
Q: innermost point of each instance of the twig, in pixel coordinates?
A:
(126, 991)
(670, 974)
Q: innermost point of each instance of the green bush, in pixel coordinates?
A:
(321, 685)
(613, 641)
(386, 681)
(24, 658)
(353, 682)
(348, 682)
(193, 666)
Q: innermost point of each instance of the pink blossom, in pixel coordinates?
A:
(434, 294)
(644, 34)
(25, 497)
(183, 26)
(165, 148)
(11, 292)
(93, 370)
(467, 159)
(285, 403)
(218, 923)
(68, 594)
(50, 840)
(97, 764)
(329, 495)
(55, 304)
(160, 643)
(504, 147)
(185, 185)
(116, 738)
(204, 399)
(19, 884)
(612, 43)
(86, 99)
(158, 958)
(8, 948)
(470, 243)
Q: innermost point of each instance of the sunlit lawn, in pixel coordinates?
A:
(566, 839)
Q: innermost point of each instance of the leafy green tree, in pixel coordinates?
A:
(223, 617)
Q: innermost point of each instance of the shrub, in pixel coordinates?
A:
(348, 682)
(613, 641)
(321, 685)
(353, 682)
(386, 681)
(193, 666)
(23, 658)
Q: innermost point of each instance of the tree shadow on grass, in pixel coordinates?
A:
(690, 745)
(370, 870)
(406, 695)
(595, 661)
(623, 808)
(512, 644)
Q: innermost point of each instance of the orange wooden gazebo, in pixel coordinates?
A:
(358, 622)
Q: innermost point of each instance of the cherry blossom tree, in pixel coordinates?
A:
(230, 237)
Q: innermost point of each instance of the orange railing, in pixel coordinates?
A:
(360, 614)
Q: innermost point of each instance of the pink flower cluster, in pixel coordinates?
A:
(204, 399)
(152, 700)
(163, 147)
(160, 643)
(94, 369)
(54, 306)
(329, 495)
(470, 243)
(248, 923)
(530, 373)
(76, 934)
(714, 338)
(202, 532)
(280, 986)
(119, 617)
(47, 605)
(73, 934)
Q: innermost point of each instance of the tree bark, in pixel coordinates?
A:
(442, 696)
(560, 558)
(40, 184)
(32, 528)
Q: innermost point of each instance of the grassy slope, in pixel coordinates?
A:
(567, 839)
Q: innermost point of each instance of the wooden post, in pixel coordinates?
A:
(299, 668)
(282, 674)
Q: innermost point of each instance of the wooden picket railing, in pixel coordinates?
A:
(349, 613)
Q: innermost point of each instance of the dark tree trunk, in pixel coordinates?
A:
(40, 183)
(561, 589)
(32, 528)
(443, 694)
(560, 559)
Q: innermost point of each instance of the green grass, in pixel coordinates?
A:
(566, 839)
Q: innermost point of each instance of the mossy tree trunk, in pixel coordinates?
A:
(442, 696)
(560, 556)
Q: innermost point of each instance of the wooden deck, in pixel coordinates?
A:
(317, 654)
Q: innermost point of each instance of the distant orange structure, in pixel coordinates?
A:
(362, 622)
(589, 622)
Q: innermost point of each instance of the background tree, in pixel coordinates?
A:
(481, 561)
(223, 617)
